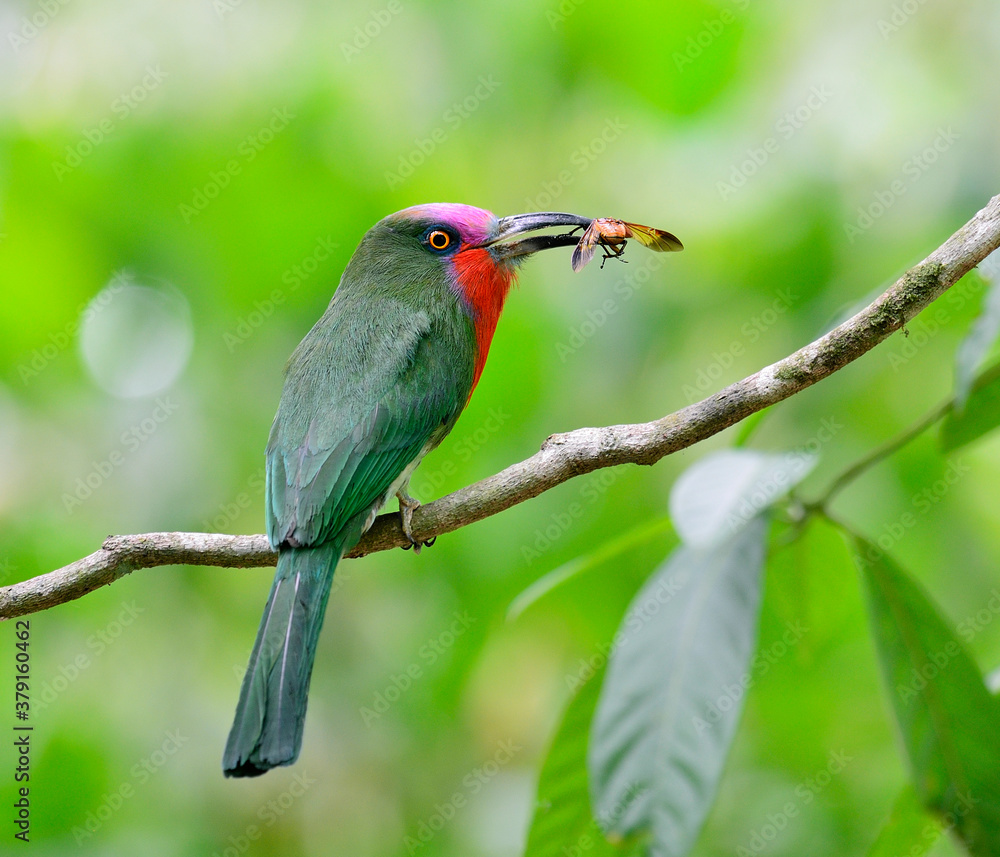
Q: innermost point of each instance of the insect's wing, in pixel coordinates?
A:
(655, 239)
(584, 251)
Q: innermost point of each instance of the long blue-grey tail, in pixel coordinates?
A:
(267, 729)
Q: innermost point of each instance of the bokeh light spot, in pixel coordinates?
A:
(136, 339)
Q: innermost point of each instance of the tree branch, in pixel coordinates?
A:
(562, 456)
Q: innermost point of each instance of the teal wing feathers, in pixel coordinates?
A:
(348, 425)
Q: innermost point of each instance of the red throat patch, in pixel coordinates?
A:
(484, 285)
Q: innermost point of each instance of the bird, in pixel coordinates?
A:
(375, 385)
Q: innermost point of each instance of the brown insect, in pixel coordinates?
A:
(612, 235)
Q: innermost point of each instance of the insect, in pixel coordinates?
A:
(612, 235)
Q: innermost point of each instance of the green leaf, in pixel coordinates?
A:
(748, 426)
(582, 564)
(980, 415)
(717, 495)
(979, 340)
(563, 818)
(949, 722)
(660, 735)
(909, 829)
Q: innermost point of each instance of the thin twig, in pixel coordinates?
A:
(562, 456)
(852, 472)
(939, 412)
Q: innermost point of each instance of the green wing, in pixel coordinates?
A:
(366, 394)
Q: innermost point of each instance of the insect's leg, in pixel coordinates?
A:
(608, 252)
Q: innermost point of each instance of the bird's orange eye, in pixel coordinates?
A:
(439, 239)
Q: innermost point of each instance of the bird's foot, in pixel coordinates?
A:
(406, 506)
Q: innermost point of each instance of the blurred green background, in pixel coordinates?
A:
(201, 172)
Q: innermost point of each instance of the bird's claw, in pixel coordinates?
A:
(406, 506)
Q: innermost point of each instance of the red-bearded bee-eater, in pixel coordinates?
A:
(374, 386)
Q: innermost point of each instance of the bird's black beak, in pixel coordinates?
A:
(518, 224)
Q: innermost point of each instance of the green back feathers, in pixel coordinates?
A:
(383, 374)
